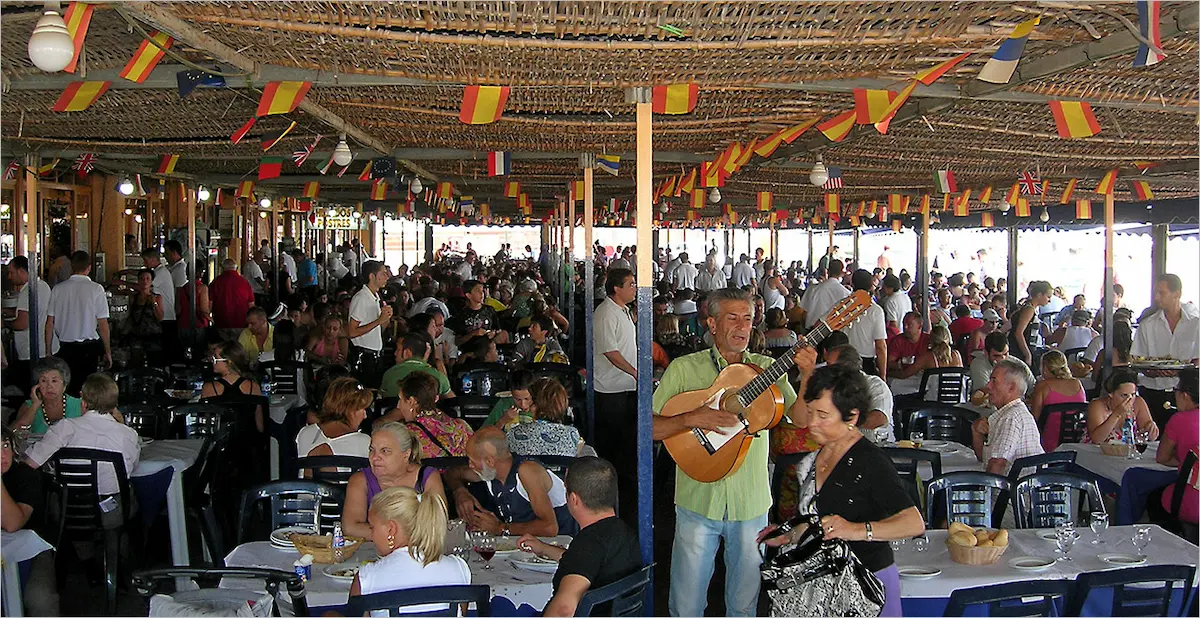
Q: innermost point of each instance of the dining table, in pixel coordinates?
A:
(1131, 479)
(515, 591)
(278, 407)
(19, 546)
(927, 593)
(157, 457)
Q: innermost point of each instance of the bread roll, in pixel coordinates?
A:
(1000, 539)
(964, 539)
(961, 527)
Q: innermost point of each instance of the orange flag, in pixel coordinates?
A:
(784, 136)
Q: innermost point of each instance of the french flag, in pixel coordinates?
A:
(499, 163)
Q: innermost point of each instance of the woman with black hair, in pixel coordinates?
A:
(1026, 333)
(288, 347)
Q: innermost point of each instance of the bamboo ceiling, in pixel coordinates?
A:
(760, 66)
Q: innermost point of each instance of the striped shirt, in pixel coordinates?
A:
(746, 493)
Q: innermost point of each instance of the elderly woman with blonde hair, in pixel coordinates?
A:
(395, 458)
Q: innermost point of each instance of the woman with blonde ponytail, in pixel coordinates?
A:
(409, 531)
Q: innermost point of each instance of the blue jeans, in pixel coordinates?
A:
(694, 555)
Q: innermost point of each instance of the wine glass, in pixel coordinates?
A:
(1064, 535)
(1141, 539)
(1141, 441)
(1099, 524)
(917, 438)
(921, 543)
(881, 435)
(485, 546)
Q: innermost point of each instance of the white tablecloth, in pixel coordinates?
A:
(1112, 467)
(962, 458)
(15, 548)
(279, 406)
(517, 585)
(179, 455)
(1164, 548)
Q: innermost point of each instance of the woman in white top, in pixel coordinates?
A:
(772, 287)
(335, 431)
(409, 532)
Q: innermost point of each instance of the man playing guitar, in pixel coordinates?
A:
(735, 507)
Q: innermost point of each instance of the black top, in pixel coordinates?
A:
(24, 484)
(471, 320)
(603, 552)
(863, 487)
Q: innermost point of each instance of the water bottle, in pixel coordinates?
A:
(266, 388)
(339, 541)
(467, 383)
(1128, 435)
(485, 384)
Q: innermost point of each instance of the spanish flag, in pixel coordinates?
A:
(1074, 119)
(1022, 207)
(245, 189)
(524, 205)
(445, 192)
(730, 157)
(281, 97)
(930, 75)
(674, 99)
(365, 174)
(575, 190)
(747, 150)
(986, 219)
(985, 196)
(668, 186)
(711, 176)
(799, 216)
(766, 200)
(783, 136)
(693, 215)
(79, 96)
(946, 201)
(873, 208)
(512, 188)
(833, 203)
(961, 208)
(1068, 191)
(1013, 194)
(78, 18)
(837, 128)
(896, 204)
(166, 165)
(1083, 209)
(870, 106)
(688, 184)
(894, 106)
(924, 209)
(311, 189)
(146, 57)
(697, 200)
(483, 104)
(379, 189)
(855, 221)
(1107, 183)
(1141, 190)
(897, 225)
(46, 168)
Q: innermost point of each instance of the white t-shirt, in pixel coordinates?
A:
(289, 265)
(350, 261)
(399, 571)
(706, 281)
(465, 271)
(179, 274)
(820, 298)
(37, 327)
(163, 284)
(92, 430)
(76, 304)
(1077, 337)
(1154, 338)
(614, 331)
(669, 271)
(743, 274)
(353, 444)
(895, 306)
(364, 307)
(335, 267)
(685, 276)
(423, 305)
(881, 399)
(254, 274)
(864, 331)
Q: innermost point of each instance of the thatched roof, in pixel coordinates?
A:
(396, 72)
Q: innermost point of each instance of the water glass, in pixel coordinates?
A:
(921, 543)
(1065, 537)
(1099, 524)
(1141, 539)
(917, 438)
(881, 435)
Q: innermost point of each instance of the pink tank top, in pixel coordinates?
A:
(1054, 422)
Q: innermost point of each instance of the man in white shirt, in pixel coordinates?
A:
(685, 273)
(265, 249)
(820, 298)
(882, 402)
(26, 323)
(711, 278)
(173, 251)
(743, 273)
(621, 260)
(1011, 431)
(868, 334)
(335, 268)
(163, 285)
(287, 282)
(1169, 332)
(350, 260)
(466, 270)
(895, 304)
(615, 360)
(759, 267)
(365, 324)
(669, 270)
(78, 316)
(254, 274)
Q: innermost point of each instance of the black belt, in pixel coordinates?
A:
(365, 351)
(84, 342)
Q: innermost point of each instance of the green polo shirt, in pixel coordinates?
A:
(390, 385)
(746, 493)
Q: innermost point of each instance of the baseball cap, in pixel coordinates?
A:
(990, 315)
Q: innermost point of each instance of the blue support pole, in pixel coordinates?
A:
(645, 444)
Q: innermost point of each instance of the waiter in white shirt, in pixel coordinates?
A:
(820, 298)
(28, 325)
(711, 278)
(1169, 332)
(254, 274)
(78, 316)
(163, 285)
(368, 316)
(685, 273)
(743, 273)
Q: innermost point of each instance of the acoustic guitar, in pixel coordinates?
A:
(749, 392)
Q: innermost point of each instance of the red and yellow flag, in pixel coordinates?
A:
(930, 75)
(799, 216)
(575, 190)
(946, 201)
(311, 189)
(711, 176)
(166, 165)
(873, 208)
(896, 204)
(147, 56)
(79, 96)
(1141, 190)
(365, 174)
(1083, 209)
(445, 192)
(833, 203)
(1014, 193)
(986, 219)
(985, 196)
(1022, 207)
(281, 97)
(1068, 191)
(483, 104)
(783, 136)
(924, 208)
(837, 128)
(244, 189)
(78, 18)
(871, 105)
(697, 200)
(862, 208)
(668, 187)
(729, 158)
(747, 150)
(766, 201)
(855, 221)
(1107, 183)
(512, 188)
(688, 184)
(523, 204)
(674, 99)
(379, 189)
(961, 207)
(894, 106)
(1074, 119)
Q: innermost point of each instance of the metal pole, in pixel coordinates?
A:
(810, 249)
(275, 249)
(645, 331)
(1109, 216)
(30, 211)
(1012, 266)
(190, 204)
(569, 270)
(428, 241)
(855, 236)
(1159, 235)
(922, 270)
(589, 292)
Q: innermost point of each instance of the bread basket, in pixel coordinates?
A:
(321, 547)
(975, 556)
(1115, 449)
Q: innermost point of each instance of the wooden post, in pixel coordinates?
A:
(645, 330)
(589, 282)
(1109, 278)
(922, 270)
(1159, 235)
(25, 229)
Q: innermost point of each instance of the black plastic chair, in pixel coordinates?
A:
(1131, 594)
(141, 385)
(1046, 499)
(973, 498)
(198, 420)
(198, 495)
(288, 377)
(162, 581)
(557, 464)
(332, 469)
(624, 597)
(75, 475)
(292, 503)
(906, 461)
(285, 435)
(471, 408)
(1039, 597)
(144, 418)
(392, 601)
(486, 379)
(954, 384)
(784, 465)
(943, 422)
(380, 407)
(1073, 424)
(1189, 530)
(1056, 461)
(1074, 355)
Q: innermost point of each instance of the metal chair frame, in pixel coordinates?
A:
(1044, 499)
(155, 581)
(969, 489)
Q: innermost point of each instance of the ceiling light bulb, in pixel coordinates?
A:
(203, 194)
(137, 218)
(128, 211)
(51, 47)
(262, 215)
(714, 196)
(341, 154)
(415, 186)
(356, 215)
(1004, 206)
(265, 202)
(819, 175)
(1045, 216)
(374, 217)
(126, 186)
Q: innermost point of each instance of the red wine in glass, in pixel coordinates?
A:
(1141, 447)
(486, 553)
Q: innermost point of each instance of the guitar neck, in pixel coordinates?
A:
(782, 365)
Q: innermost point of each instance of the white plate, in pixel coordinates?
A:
(142, 441)
(1122, 559)
(332, 570)
(1030, 563)
(279, 540)
(919, 572)
(1047, 535)
(534, 563)
(934, 444)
